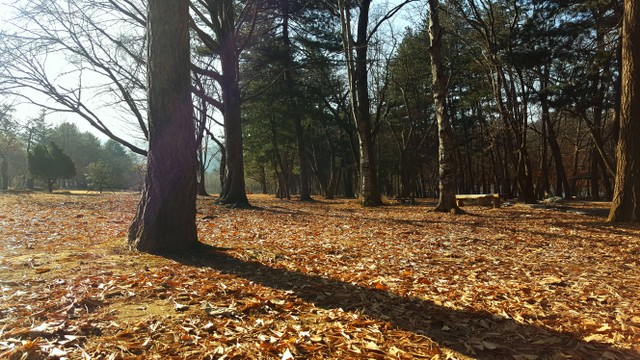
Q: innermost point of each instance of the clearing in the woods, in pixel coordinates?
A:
(320, 280)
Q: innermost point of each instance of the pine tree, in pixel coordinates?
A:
(50, 164)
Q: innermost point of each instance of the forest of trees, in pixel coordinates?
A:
(338, 98)
(29, 149)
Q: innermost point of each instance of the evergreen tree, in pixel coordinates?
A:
(9, 142)
(50, 164)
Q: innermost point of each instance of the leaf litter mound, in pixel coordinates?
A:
(320, 280)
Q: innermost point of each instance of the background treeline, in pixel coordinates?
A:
(532, 93)
(29, 152)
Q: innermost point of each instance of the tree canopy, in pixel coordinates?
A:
(50, 163)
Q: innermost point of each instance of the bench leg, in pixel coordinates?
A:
(459, 202)
(496, 203)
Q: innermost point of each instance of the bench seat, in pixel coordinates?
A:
(495, 198)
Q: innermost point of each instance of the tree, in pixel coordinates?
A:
(36, 131)
(115, 156)
(103, 44)
(50, 164)
(357, 63)
(9, 142)
(355, 51)
(626, 199)
(226, 20)
(495, 24)
(100, 175)
(411, 120)
(446, 151)
(165, 220)
(299, 22)
(82, 147)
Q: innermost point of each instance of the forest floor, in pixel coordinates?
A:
(320, 280)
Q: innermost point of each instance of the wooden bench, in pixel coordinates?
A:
(495, 198)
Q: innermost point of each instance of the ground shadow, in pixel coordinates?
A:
(454, 328)
(601, 212)
(342, 213)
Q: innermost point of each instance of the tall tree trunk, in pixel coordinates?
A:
(234, 191)
(562, 183)
(626, 198)
(544, 187)
(446, 149)
(359, 95)
(165, 220)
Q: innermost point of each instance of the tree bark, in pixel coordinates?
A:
(562, 183)
(360, 102)
(234, 191)
(626, 198)
(165, 220)
(446, 149)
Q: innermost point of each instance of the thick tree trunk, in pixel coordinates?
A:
(234, 192)
(369, 190)
(626, 198)
(165, 221)
(446, 149)
(369, 187)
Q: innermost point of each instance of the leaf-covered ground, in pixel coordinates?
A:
(320, 280)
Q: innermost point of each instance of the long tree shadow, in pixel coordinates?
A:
(479, 334)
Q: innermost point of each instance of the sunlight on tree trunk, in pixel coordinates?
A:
(165, 222)
(626, 197)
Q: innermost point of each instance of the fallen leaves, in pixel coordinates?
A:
(291, 280)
